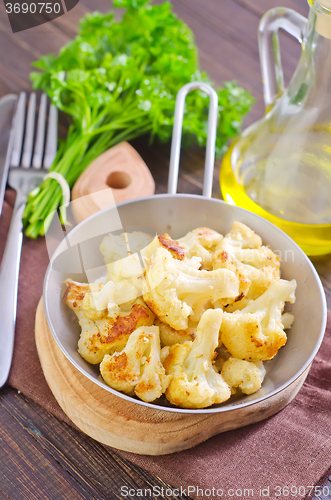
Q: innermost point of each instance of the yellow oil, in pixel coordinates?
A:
(314, 239)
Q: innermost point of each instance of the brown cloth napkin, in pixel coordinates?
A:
(291, 449)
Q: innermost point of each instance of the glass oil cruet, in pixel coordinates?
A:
(280, 168)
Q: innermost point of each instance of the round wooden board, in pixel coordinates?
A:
(132, 427)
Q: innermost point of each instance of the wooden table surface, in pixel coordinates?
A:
(48, 459)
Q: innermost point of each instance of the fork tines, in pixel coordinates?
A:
(33, 152)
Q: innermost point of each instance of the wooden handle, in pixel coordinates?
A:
(119, 174)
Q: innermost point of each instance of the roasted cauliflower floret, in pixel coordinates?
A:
(195, 383)
(137, 369)
(130, 269)
(257, 332)
(208, 237)
(107, 334)
(75, 293)
(256, 266)
(170, 336)
(115, 247)
(244, 375)
(107, 300)
(174, 291)
(199, 243)
(287, 320)
(244, 236)
(177, 251)
(123, 260)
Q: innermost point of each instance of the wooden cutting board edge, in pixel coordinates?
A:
(132, 427)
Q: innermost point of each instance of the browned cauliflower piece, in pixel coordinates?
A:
(124, 264)
(200, 243)
(75, 293)
(244, 236)
(175, 248)
(256, 266)
(175, 291)
(222, 260)
(107, 334)
(195, 382)
(170, 336)
(177, 251)
(244, 375)
(129, 271)
(257, 332)
(137, 369)
(109, 299)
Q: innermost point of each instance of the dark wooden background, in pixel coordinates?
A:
(40, 457)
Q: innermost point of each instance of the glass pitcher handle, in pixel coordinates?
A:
(271, 65)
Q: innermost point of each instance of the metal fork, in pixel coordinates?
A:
(30, 160)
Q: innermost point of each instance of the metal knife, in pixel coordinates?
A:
(7, 111)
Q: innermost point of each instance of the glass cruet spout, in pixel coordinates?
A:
(280, 167)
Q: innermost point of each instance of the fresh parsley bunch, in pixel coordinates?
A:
(118, 81)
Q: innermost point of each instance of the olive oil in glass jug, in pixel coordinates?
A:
(280, 168)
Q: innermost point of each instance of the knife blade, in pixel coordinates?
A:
(7, 111)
